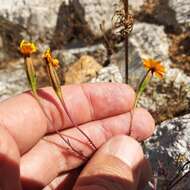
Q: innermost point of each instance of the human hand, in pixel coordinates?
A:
(29, 145)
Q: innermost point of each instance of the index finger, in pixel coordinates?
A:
(26, 122)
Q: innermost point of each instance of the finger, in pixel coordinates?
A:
(27, 123)
(118, 164)
(9, 162)
(34, 163)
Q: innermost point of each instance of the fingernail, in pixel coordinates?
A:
(125, 148)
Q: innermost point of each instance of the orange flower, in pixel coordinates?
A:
(48, 57)
(27, 48)
(155, 67)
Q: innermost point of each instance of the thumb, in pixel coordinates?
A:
(118, 164)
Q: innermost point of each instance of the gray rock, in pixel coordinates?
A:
(136, 69)
(31, 20)
(150, 41)
(182, 9)
(70, 55)
(170, 141)
(52, 23)
(12, 80)
(135, 5)
(94, 12)
(98, 51)
(173, 13)
(110, 73)
(37, 18)
(65, 57)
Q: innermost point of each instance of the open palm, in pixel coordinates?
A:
(33, 155)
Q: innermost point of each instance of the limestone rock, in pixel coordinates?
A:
(12, 80)
(31, 20)
(94, 12)
(82, 71)
(98, 51)
(110, 73)
(135, 5)
(150, 41)
(170, 142)
(173, 13)
(136, 69)
(54, 23)
(182, 9)
(70, 55)
(65, 57)
(37, 19)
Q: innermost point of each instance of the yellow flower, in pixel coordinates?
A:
(55, 62)
(155, 67)
(27, 48)
(48, 57)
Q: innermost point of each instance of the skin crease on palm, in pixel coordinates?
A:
(33, 156)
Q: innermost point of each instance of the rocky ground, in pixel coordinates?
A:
(72, 30)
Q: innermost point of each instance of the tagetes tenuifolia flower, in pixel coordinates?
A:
(155, 67)
(27, 48)
(49, 59)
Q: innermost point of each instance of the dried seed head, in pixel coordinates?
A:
(122, 23)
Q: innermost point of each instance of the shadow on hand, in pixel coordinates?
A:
(9, 173)
(66, 184)
(29, 184)
(115, 175)
(109, 182)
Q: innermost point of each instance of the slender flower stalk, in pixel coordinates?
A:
(153, 67)
(52, 64)
(142, 86)
(26, 49)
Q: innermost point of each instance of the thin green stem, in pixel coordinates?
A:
(32, 79)
(57, 88)
(140, 90)
(142, 87)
